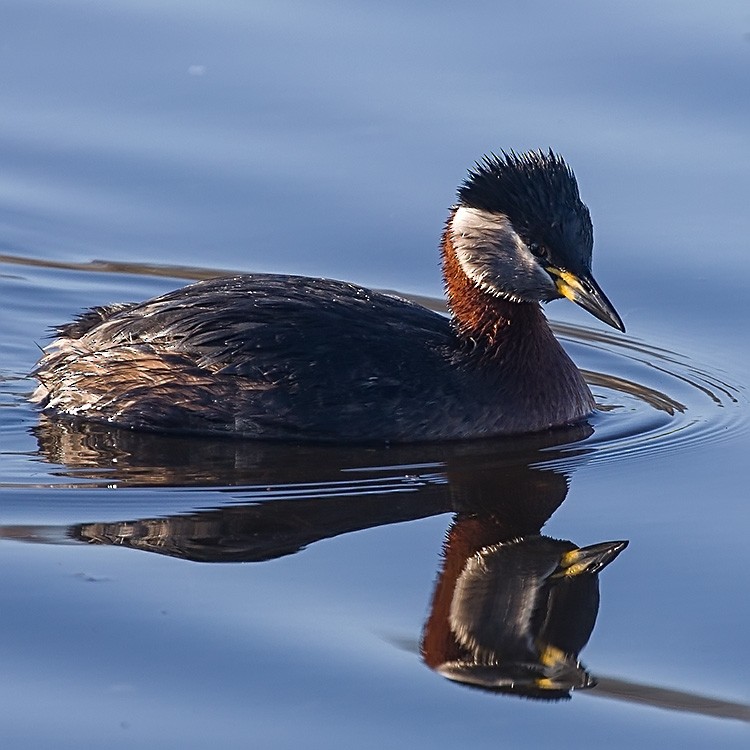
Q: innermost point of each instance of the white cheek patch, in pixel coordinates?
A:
(478, 236)
(493, 256)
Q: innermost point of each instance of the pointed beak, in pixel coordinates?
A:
(589, 559)
(584, 291)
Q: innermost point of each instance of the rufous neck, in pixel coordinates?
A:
(482, 318)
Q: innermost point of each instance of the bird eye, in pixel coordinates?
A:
(540, 251)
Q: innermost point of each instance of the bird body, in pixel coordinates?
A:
(290, 357)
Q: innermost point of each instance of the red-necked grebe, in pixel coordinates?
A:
(290, 357)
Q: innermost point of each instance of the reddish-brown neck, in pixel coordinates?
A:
(484, 319)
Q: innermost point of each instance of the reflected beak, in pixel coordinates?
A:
(584, 291)
(589, 559)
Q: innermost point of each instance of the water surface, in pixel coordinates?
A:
(186, 592)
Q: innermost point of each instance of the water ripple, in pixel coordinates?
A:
(651, 400)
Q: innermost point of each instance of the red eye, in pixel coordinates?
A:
(540, 251)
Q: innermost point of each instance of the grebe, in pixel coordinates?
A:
(289, 357)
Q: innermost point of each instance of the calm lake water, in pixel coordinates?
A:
(188, 593)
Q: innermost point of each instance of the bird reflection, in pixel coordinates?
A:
(511, 609)
(518, 613)
(282, 497)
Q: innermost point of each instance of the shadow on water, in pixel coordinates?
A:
(511, 609)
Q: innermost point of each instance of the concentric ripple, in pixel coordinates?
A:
(651, 399)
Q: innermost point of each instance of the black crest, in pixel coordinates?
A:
(538, 192)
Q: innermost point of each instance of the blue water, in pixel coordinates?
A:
(328, 140)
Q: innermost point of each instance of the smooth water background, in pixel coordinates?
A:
(327, 139)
